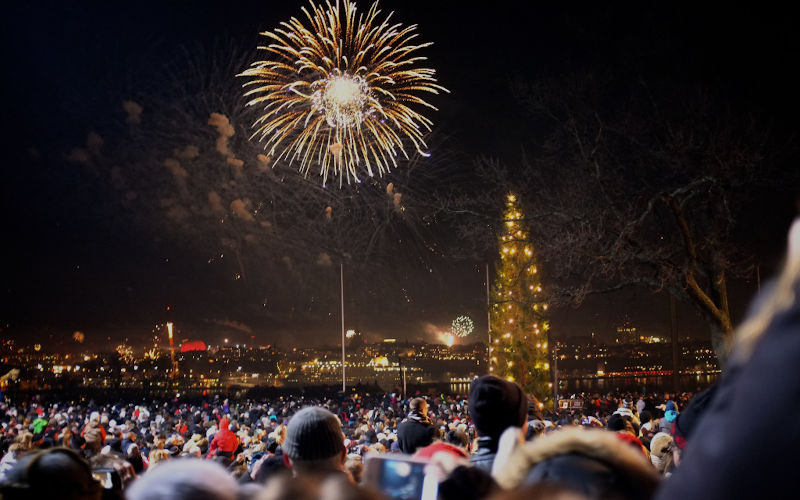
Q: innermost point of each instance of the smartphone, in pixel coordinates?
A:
(108, 478)
(399, 477)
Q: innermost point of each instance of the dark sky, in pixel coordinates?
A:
(76, 258)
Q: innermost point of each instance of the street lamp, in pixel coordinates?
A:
(172, 352)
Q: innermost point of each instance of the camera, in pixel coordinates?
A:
(400, 477)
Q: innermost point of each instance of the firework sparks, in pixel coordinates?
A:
(125, 352)
(462, 326)
(338, 94)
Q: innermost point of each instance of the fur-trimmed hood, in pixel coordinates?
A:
(601, 445)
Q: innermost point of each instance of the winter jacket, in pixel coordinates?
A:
(593, 463)
(415, 433)
(38, 425)
(7, 463)
(664, 426)
(484, 457)
(224, 443)
(627, 412)
(745, 445)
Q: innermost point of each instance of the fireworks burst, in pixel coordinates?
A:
(78, 337)
(462, 326)
(338, 94)
(125, 352)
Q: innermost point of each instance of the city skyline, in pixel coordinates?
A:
(582, 364)
(232, 334)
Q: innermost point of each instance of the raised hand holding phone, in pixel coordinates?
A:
(400, 477)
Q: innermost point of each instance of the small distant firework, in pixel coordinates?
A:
(78, 337)
(125, 352)
(338, 91)
(462, 326)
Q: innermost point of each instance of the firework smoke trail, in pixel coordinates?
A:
(185, 172)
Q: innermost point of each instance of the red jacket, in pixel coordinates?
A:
(224, 440)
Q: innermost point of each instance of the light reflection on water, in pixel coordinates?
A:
(656, 383)
(459, 388)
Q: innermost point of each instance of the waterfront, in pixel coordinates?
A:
(650, 383)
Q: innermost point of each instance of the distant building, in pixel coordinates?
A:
(627, 333)
(354, 339)
(195, 345)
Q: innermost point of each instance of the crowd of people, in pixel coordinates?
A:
(735, 439)
(256, 441)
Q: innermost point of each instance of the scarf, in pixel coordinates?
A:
(656, 460)
(419, 417)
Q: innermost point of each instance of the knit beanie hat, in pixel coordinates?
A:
(313, 433)
(496, 404)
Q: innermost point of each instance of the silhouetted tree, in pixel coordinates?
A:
(628, 185)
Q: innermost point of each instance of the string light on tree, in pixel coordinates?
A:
(342, 92)
(519, 352)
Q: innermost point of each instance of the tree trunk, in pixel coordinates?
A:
(721, 336)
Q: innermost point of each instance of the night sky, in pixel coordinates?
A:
(80, 255)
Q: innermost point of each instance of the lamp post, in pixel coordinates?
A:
(341, 290)
(555, 372)
(173, 363)
(402, 374)
(488, 323)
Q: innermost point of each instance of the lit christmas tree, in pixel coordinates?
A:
(519, 347)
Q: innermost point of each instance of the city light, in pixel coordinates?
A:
(382, 361)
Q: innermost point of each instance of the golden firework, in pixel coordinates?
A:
(339, 94)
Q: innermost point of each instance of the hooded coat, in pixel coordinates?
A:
(225, 442)
(593, 462)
